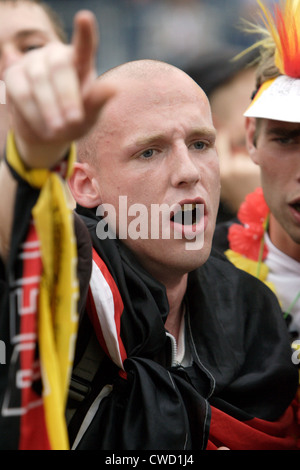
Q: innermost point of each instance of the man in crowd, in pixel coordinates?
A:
(24, 26)
(266, 241)
(183, 349)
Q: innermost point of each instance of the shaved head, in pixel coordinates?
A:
(122, 76)
(140, 69)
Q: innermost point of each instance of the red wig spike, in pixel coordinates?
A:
(282, 26)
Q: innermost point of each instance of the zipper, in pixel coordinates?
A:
(174, 363)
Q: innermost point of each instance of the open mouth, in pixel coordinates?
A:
(188, 214)
(296, 206)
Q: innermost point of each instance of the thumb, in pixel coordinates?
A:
(99, 93)
(85, 43)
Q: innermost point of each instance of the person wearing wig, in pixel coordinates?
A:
(265, 241)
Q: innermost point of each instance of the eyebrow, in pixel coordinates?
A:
(142, 142)
(203, 132)
(31, 32)
(282, 132)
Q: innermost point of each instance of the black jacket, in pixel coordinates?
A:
(240, 348)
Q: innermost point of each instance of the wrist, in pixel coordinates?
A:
(36, 176)
(37, 156)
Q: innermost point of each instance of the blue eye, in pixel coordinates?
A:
(199, 145)
(147, 153)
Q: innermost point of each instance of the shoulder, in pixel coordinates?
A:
(222, 276)
(242, 304)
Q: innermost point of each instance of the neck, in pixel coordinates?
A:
(175, 293)
(283, 242)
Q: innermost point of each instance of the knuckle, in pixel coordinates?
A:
(17, 86)
(59, 58)
(36, 72)
(11, 73)
(24, 95)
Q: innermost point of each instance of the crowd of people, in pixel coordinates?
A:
(127, 323)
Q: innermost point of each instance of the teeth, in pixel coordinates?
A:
(188, 214)
(188, 207)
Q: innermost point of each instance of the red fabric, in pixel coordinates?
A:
(118, 308)
(33, 432)
(255, 434)
(118, 303)
(92, 312)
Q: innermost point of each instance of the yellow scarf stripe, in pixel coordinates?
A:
(250, 267)
(57, 312)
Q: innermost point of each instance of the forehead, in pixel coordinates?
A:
(23, 16)
(157, 102)
(270, 126)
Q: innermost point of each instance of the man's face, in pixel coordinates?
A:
(277, 152)
(23, 27)
(157, 146)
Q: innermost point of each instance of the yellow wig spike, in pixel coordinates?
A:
(282, 26)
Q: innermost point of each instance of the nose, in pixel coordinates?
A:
(9, 55)
(185, 170)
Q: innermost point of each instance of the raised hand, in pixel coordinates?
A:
(54, 96)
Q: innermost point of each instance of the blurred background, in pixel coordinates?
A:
(176, 31)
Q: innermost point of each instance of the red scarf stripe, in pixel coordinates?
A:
(93, 315)
(33, 432)
(106, 308)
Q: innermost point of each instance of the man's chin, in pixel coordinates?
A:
(191, 258)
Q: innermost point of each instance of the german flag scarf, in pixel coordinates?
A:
(42, 314)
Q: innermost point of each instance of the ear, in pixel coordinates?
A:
(84, 185)
(250, 125)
